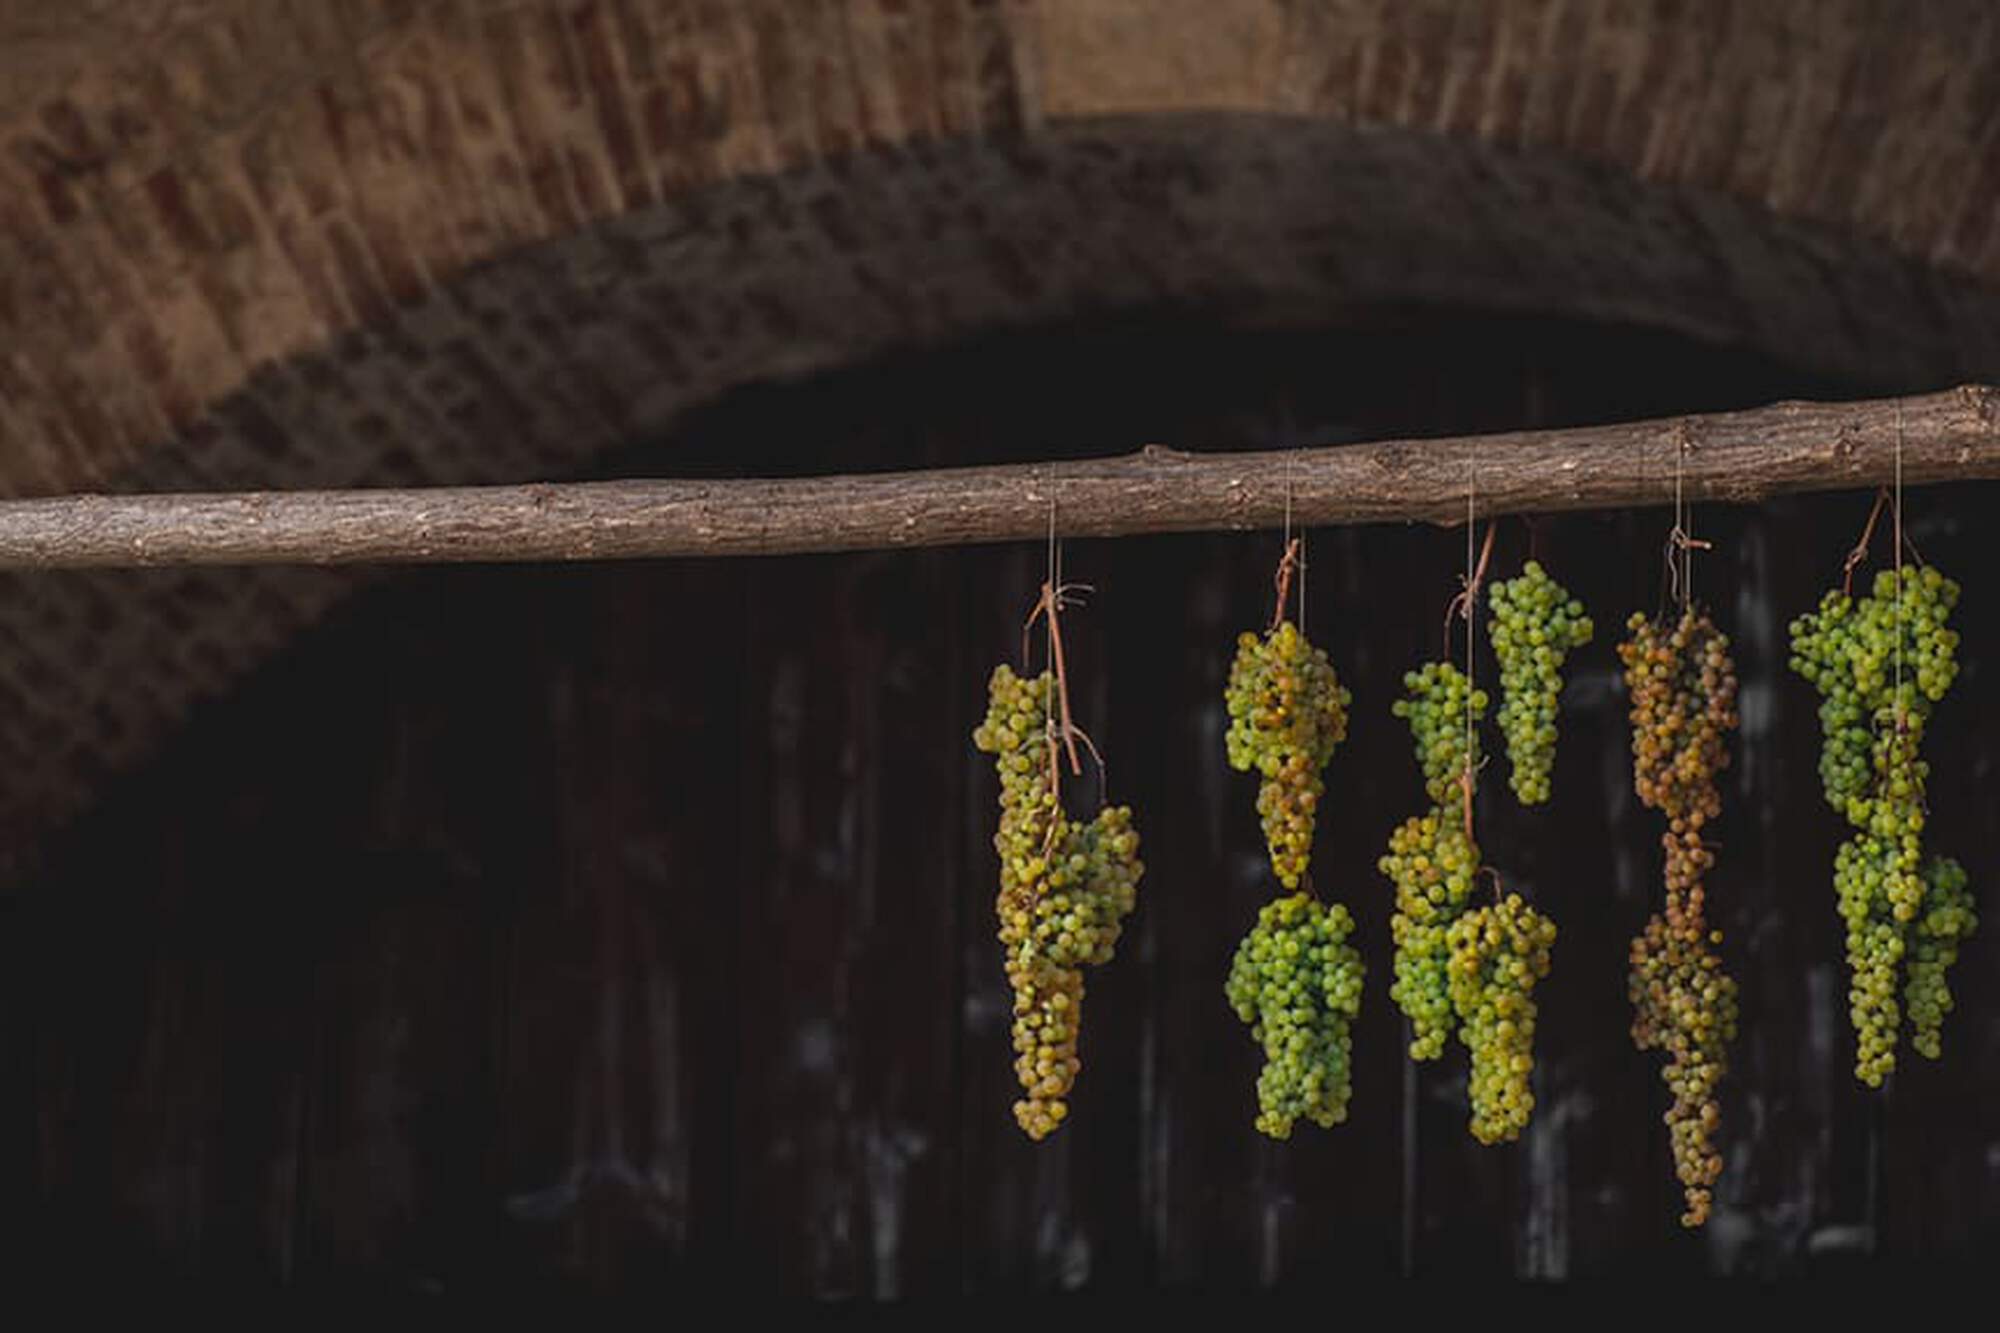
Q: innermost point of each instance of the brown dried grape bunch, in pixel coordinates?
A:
(1065, 891)
(1685, 1005)
(1287, 713)
(1683, 685)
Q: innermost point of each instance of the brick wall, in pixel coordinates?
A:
(265, 243)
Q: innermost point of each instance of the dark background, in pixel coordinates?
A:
(630, 926)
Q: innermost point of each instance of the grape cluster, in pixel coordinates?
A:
(1065, 890)
(1431, 860)
(1498, 953)
(1475, 967)
(1881, 664)
(1297, 982)
(1535, 625)
(1439, 698)
(1683, 684)
(1849, 650)
(1287, 713)
(1947, 918)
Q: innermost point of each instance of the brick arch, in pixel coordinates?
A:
(192, 193)
(358, 243)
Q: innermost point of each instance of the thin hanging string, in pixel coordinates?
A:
(1288, 500)
(1681, 541)
(1061, 722)
(1897, 519)
(1049, 585)
(1471, 610)
(1289, 457)
(1291, 563)
(1302, 585)
(1681, 525)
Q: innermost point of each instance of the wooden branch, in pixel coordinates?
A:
(1732, 457)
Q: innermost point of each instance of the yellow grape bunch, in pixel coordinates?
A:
(1287, 713)
(1065, 891)
(1431, 862)
(1497, 954)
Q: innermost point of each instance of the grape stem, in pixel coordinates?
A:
(1860, 551)
(1680, 543)
(1467, 597)
(1050, 604)
(1463, 605)
(1288, 564)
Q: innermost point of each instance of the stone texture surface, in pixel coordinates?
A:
(293, 242)
(190, 192)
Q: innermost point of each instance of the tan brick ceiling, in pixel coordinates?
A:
(349, 242)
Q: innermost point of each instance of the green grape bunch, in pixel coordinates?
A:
(1497, 954)
(1431, 860)
(1461, 968)
(1683, 684)
(1287, 713)
(1297, 981)
(1947, 918)
(1881, 664)
(1535, 626)
(1432, 863)
(1066, 888)
(1444, 710)
(1888, 657)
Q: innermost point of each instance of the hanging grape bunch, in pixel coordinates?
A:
(1065, 890)
(1297, 982)
(1295, 979)
(1682, 683)
(1444, 710)
(1472, 968)
(1287, 713)
(1431, 859)
(1535, 625)
(1881, 664)
(1497, 954)
(1947, 918)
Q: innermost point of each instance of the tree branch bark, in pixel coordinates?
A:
(1732, 457)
